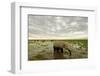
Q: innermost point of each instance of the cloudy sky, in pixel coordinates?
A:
(69, 27)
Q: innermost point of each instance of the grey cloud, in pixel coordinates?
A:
(57, 25)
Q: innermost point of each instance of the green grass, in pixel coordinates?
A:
(43, 49)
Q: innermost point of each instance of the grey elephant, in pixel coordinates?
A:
(58, 47)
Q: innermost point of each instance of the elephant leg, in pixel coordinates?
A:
(61, 56)
(56, 52)
(61, 50)
(55, 49)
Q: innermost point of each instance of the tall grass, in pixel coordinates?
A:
(43, 49)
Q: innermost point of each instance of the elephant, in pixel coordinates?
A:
(58, 47)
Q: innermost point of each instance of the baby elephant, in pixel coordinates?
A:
(58, 47)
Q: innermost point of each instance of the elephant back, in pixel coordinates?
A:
(60, 44)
